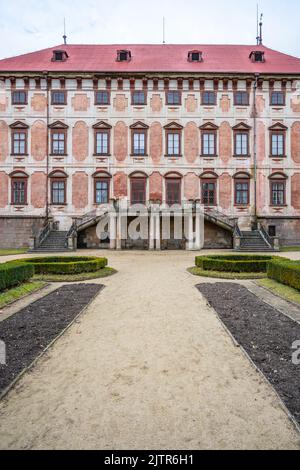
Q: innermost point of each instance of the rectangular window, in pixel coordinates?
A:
(138, 191)
(173, 144)
(241, 98)
(209, 193)
(242, 193)
(59, 97)
(101, 191)
(173, 187)
(19, 143)
(208, 144)
(102, 143)
(277, 193)
(209, 98)
(19, 97)
(277, 144)
(18, 191)
(139, 143)
(58, 190)
(173, 98)
(241, 144)
(58, 143)
(102, 98)
(139, 98)
(277, 98)
(272, 230)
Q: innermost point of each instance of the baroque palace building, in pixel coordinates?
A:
(82, 126)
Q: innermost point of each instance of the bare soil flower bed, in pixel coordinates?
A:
(28, 332)
(265, 334)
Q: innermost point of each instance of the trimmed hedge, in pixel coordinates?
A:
(65, 265)
(14, 274)
(234, 263)
(285, 271)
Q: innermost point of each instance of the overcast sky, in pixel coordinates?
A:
(28, 25)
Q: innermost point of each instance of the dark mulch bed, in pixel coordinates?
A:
(266, 335)
(28, 332)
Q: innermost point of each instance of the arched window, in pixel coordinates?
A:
(278, 189)
(138, 185)
(209, 188)
(101, 187)
(58, 187)
(242, 189)
(173, 188)
(19, 184)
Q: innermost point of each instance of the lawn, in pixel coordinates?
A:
(286, 292)
(104, 272)
(16, 293)
(224, 275)
(12, 252)
(288, 249)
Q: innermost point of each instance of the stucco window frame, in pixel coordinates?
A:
(19, 128)
(53, 103)
(278, 129)
(209, 128)
(139, 127)
(278, 178)
(17, 103)
(99, 103)
(239, 129)
(101, 179)
(173, 128)
(244, 93)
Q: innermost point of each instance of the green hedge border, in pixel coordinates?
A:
(285, 271)
(234, 263)
(65, 265)
(13, 274)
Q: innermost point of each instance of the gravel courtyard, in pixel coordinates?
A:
(148, 366)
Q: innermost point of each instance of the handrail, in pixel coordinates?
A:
(44, 233)
(237, 231)
(265, 235)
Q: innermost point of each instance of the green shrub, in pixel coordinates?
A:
(14, 274)
(285, 271)
(66, 265)
(234, 263)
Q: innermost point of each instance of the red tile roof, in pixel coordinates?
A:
(154, 58)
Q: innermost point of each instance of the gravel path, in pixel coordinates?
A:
(28, 332)
(149, 366)
(266, 335)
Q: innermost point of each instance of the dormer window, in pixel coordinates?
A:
(124, 56)
(59, 56)
(257, 56)
(195, 56)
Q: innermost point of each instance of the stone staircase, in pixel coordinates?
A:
(55, 242)
(254, 241)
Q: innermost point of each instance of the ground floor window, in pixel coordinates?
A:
(242, 193)
(173, 191)
(19, 191)
(209, 196)
(138, 191)
(58, 191)
(277, 193)
(101, 191)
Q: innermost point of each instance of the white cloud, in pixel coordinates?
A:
(28, 25)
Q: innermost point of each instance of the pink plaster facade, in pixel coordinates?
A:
(80, 182)
(38, 184)
(3, 141)
(80, 141)
(39, 141)
(80, 120)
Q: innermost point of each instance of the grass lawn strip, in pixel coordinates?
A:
(265, 334)
(16, 293)
(223, 275)
(287, 293)
(104, 272)
(12, 252)
(31, 331)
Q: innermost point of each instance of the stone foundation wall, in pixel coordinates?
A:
(288, 230)
(15, 232)
(216, 237)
